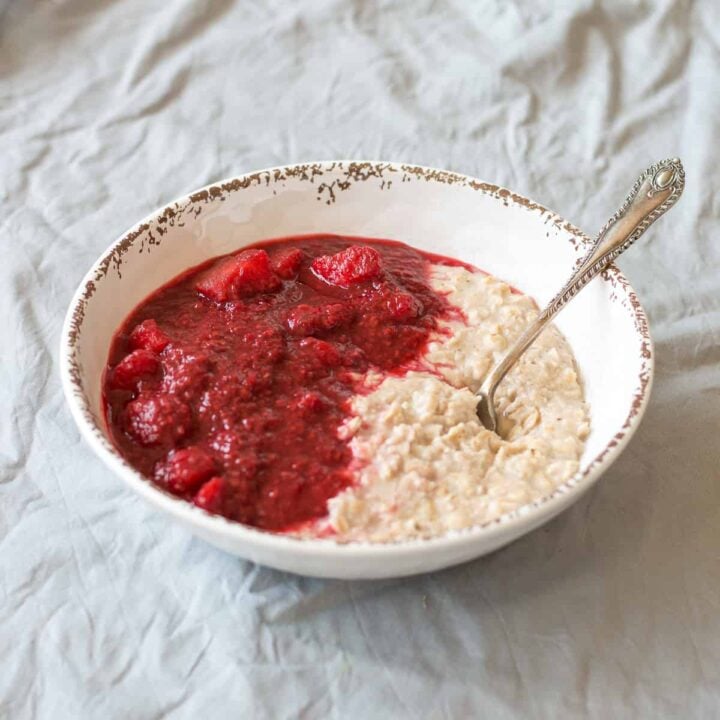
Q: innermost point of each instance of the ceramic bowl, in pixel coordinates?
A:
(491, 227)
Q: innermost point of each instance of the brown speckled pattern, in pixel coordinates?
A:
(384, 175)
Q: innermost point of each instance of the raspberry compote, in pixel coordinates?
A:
(227, 386)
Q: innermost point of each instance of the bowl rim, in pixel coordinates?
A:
(541, 509)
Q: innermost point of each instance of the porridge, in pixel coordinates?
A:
(324, 387)
(425, 464)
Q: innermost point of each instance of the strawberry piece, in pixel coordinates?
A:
(148, 336)
(184, 373)
(403, 306)
(287, 263)
(355, 264)
(185, 470)
(311, 319)
(157, 419)
(132, 368)
(239, 276)
(209, 497)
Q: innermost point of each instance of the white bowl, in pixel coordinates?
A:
(490, 227)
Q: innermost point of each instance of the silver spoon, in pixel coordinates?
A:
(652, 195)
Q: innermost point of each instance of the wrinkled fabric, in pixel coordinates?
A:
(109, 109)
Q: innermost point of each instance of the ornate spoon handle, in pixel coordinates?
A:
(653, 194)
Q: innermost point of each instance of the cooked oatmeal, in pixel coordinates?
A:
(425, 465)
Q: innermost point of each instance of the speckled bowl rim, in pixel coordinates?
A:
(353, 171)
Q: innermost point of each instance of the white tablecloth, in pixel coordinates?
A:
(108, 109)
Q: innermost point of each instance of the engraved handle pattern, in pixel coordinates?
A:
(652, 195)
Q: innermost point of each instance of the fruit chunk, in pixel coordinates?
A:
(287, 263)
(184, 373)
(355, 264)
(132, 368)
(312, 319)
(185, 470)
(239, 276)
(210, 494)
(403, 306)
(148, 336)
(157, 419)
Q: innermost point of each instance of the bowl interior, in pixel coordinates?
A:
(454, 215)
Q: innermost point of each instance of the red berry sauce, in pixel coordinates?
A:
(227, 386)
